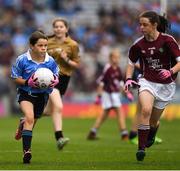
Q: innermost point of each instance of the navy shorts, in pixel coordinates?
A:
(63, 84)
(39, 101)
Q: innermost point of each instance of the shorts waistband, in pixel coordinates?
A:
(32, 94)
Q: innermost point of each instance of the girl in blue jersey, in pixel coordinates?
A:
(31, 98)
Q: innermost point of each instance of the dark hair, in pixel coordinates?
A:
(35, 36)
(162, 23)
(61, 20)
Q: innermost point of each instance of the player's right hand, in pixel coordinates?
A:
(32, 82)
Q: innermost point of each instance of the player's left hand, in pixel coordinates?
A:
(54, 82)
(164, 73)
(130, 83)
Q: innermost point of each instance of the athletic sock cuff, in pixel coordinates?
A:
(27, 133)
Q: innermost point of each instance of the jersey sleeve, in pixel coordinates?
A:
(174, 48)
(133, 54)
(16, 69)
(54, 67)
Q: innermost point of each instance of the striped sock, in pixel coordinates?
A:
(143, 131)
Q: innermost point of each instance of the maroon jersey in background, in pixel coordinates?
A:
(111, 78)
(155, 55)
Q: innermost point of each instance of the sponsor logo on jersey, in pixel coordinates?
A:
(152, 50)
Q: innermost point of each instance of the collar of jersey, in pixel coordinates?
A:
(65, 41)
(29, 56)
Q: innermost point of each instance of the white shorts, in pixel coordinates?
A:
(163, 93)
(110, 100)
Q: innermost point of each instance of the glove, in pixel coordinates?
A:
(130, 96)
(130, 84)
(32, 82)
(164, 73)
(54, 82)
(98, 100)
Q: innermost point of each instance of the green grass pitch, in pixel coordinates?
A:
(107, 153)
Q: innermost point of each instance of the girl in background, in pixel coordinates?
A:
(66, 53)
(110, 83)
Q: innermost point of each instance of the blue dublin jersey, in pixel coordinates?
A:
(24, 67)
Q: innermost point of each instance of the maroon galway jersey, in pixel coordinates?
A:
(111, 78)
(155, 55)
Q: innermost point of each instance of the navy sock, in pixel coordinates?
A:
(26, 139)
(58, 134)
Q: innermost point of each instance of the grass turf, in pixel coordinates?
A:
(107, 153)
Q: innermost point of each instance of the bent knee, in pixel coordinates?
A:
(146, 111)
(57, 108)
(29, 120)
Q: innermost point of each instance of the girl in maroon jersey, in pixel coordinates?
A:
(109, 86)
(159, 57)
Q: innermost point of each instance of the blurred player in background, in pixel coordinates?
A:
(66, 53)
(110, 83)
(159, 57)
(31, 98)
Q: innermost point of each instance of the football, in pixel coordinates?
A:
(44, 77)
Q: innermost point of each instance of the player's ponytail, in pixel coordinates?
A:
(163, 25)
